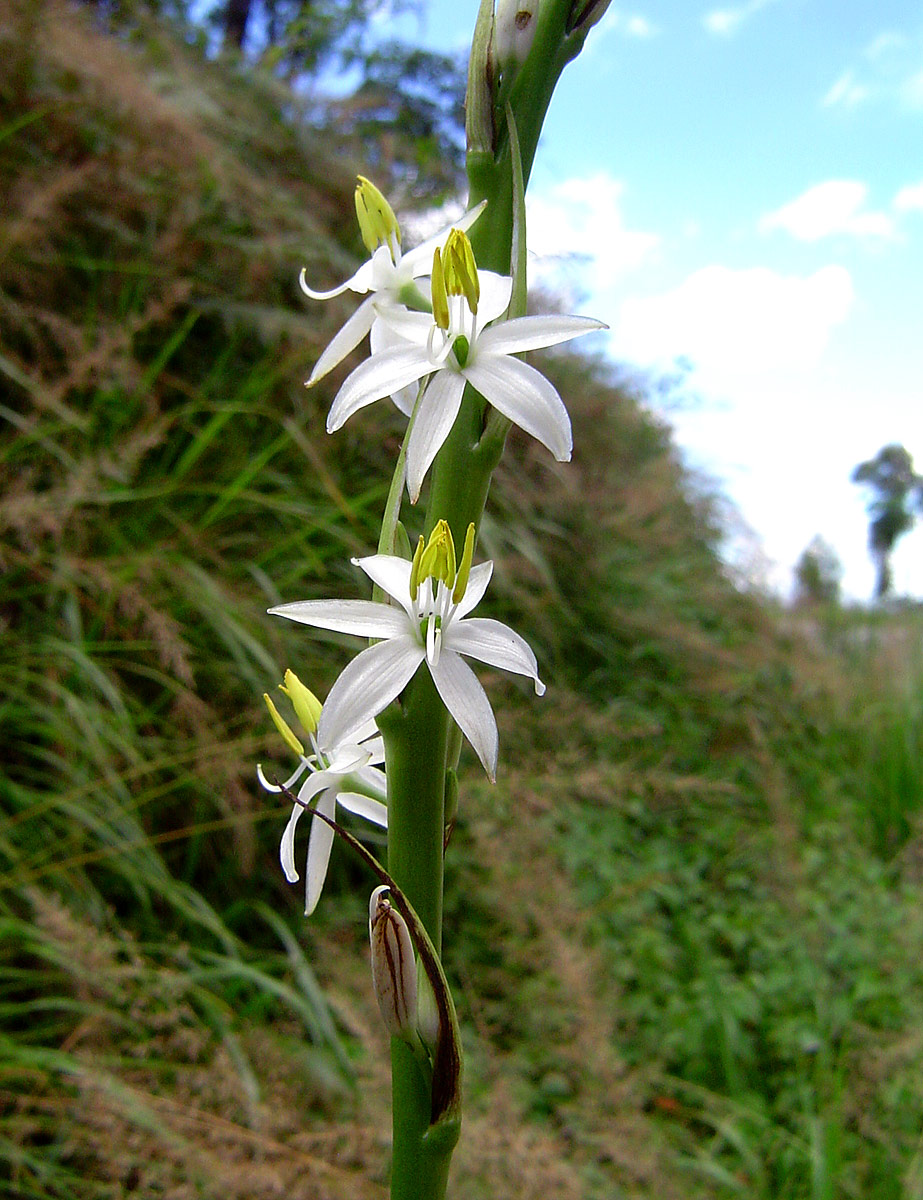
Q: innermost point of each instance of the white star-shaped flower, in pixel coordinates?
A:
(459, 343)
(429, 623)
(385, 279)
(340, 771)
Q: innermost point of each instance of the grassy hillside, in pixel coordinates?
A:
(684, 927)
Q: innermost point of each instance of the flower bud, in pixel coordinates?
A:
(427, 1022)
(514, 31)
(394, 969)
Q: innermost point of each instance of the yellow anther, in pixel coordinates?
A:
(306, 705)
(440, 295)
(287, 736)
(461, 272)
(438, 559)
(415, 567)
(377, 221)
(461, 580)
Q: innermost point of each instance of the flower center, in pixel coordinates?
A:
(437, 584)
(456, 291)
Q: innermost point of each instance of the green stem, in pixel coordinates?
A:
(416, 746)
(416, 730)
(395, 492)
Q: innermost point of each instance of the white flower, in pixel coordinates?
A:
(388, 275)
(341, 770)
(429, 624)
(456, 345)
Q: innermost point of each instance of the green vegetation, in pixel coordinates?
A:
(684, 927)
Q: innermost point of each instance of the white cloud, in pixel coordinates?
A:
(639, 27)
(910, 198)
(911, 91)
(888, 69)
(725, 21)
(846, 92)
(576, 231)
(836, 206)
(618, 23)
(885, 43)
(735, 324)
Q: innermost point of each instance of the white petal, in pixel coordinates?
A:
(467, 701)
(347, 339)
(406, 325)
(316, 782)
(353, 284)
(346, 758)
(383, 337)
(309, 789)
(531, 333)
(435, 417)
(280, 787)
(405, 398)
(419, 260)
(477, 586)
(368, 685)
(366, 739)
(364, 806)
(526, 397)
(373, 782)
(319, 846)
(496, 644)
(372, 742)
(392, 574)
(287, 846)
(495, 297)
(378, 376)
(364, 618)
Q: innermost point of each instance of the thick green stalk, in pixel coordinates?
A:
(416, 746)
(416, 729)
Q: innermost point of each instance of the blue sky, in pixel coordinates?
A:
(740, 187)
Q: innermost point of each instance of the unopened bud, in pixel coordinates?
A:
(428, 1020)
(394, 968)
(514, 31)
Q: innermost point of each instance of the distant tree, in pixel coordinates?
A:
(299, 37)
(406, 119)
(404, 110)
(236, 20)
(818, 573)
(894, 491)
